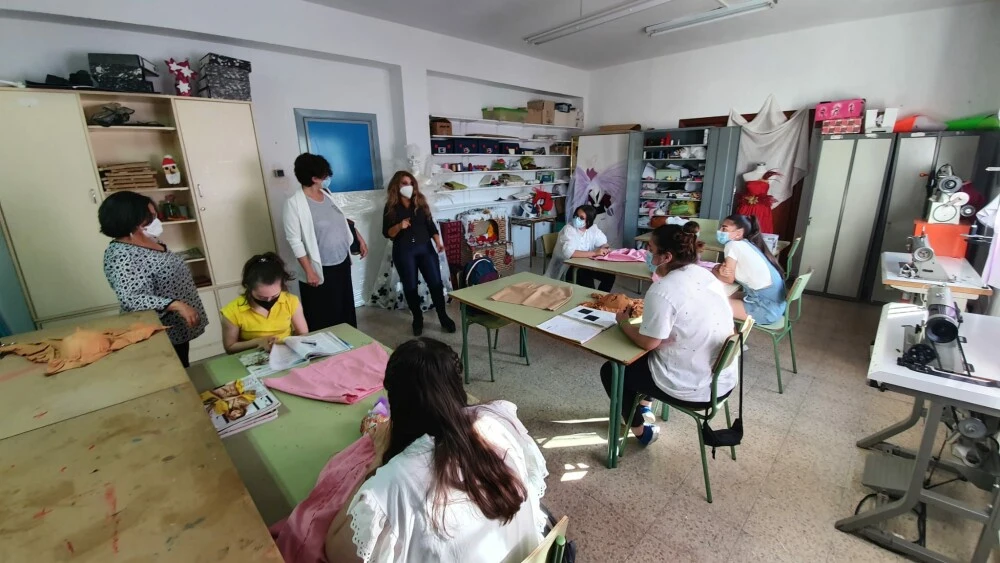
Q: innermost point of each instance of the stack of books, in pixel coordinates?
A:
(128, 176)
(239, 405)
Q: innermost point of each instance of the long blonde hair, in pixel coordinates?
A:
(392, 197)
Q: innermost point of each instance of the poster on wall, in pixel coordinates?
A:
(599, 180)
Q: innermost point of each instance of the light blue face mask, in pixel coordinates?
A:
(326, 182)
(649, 262)
(722, 237)
(579, 223)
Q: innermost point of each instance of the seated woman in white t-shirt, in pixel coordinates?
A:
(749, 263)
(581, 239)
(686, 320)
(458, 483)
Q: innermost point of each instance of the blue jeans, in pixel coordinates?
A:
(412, 259)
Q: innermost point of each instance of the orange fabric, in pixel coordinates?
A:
(81, 348)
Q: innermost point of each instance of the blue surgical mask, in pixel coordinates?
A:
(649, 262)
(722, 237)
(326, 182)
(579, 223)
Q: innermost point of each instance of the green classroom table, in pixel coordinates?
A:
(632, 270)
(612, 344)
(280, 460)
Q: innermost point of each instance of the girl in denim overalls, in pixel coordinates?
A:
(750, 264)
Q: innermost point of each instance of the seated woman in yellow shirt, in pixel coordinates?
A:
(266, 313)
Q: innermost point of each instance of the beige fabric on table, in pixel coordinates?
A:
(537, 295)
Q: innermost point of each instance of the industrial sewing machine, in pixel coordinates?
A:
(923, 264)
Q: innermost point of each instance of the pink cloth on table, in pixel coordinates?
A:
(301, 537)
(624, 255)
(344, 378)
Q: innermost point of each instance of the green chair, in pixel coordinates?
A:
(791, 255)
(548, 247)
(492, 323)
(729, 354)
(553, 545)
(782, 328)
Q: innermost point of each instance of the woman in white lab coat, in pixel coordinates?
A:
(581, 239)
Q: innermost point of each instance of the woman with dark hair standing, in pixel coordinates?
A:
(686, 320)
(408, 222)
(321, 237)
(144, 274)
(750, 264)
(581, 239)
(458, 483)
(266, 313)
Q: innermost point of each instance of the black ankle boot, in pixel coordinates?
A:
(413, 302)
(437, 295)
(418, 323)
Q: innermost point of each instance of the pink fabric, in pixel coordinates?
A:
(344, 378)
(300, 537)
(624, 255)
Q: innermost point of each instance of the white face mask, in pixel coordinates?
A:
(406, 191)
(154, 229)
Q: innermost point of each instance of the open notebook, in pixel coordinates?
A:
(579, 324)
(293, 351)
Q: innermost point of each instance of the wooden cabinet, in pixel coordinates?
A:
(221, 153)
(210, 342)
(49, 195)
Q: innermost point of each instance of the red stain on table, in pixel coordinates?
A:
(62, 469)
(91, 447)
(112, 501)
(41, 414)
(69, 547)
(41, 513)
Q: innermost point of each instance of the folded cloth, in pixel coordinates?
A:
(344, 378)
(81, 348)
(538, 295)
(624, 255)
(300, 537)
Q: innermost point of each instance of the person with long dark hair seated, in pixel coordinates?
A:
(144, 274)
(686, 320)
(457, 484)
(749, 263)
(407, 220)
(267, 312)
(581, 239)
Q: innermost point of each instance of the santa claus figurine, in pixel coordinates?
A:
(170, 170)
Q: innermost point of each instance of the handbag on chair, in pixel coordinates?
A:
(727, 436)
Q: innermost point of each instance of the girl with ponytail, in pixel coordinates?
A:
(750, 264)
(686, 320)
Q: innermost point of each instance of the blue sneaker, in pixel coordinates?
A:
(650, 433)
(647, 414)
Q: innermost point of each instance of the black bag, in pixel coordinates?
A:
(355, 243)
(727, 436)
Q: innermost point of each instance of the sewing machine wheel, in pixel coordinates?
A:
(920, 354)
(972, 428)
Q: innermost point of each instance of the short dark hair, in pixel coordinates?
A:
(265, 269)
(121, 213)
(309, 166)
(590, 211)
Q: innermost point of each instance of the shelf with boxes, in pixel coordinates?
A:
(505, 171)
(517, 113)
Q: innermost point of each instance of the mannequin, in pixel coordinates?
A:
(755, 200)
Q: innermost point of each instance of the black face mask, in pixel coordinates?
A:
(265, 304)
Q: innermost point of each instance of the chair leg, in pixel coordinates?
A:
(704, 461)
(524, 345)
(729, 424)
(489, 349)
(496, 337)
(626, 428)
(777, 364)
(665, 412)
(791, 344)
(465, 342)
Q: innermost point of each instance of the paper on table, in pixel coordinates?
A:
(603, 319)
(282, 358)
(571, 329)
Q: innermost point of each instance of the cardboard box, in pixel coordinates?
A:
(567, 118)
(541, 112)
(441, 127)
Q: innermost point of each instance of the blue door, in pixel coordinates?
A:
(349, 141)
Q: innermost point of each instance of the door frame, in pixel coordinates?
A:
(369, 119)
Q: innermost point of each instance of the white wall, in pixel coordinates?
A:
(942, 62)
(454, 96)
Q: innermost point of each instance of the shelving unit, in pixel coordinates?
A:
(119, 128)
(484, 172)
(497, 155)
(495, 122)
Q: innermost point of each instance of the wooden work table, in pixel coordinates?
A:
(143, 480)
(33, 400)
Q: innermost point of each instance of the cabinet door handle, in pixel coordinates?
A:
(199, 191)
(201, 208)
(93, 196)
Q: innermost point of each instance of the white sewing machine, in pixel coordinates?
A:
(923, 263)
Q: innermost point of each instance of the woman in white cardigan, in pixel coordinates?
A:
(321, 238)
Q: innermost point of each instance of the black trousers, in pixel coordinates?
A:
(183, 353)
(410, 259)
(332, 302)
(587, 278)
(639, 381)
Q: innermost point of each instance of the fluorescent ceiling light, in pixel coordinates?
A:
(723, 13)
(593, 20)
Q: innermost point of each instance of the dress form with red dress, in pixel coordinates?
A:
(756, 201)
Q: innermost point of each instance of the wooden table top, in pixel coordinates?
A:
(634, 270)
(612, 344)
(144, 480)
(34, 400)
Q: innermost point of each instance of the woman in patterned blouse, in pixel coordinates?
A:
(144, 274)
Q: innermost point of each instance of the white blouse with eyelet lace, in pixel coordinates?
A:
(394, 517)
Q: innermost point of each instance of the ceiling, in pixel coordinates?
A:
(504, 23)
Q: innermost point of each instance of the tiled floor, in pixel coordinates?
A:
(797, 472)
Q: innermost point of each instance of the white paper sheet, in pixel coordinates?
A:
(571, 329)
(283, 357)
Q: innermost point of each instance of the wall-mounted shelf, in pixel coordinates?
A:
(672, 146)
(150, 190)
(496, 155)
(119, 128)
(503, 138)
(499, 171)
(670, 159)
(503, 123)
